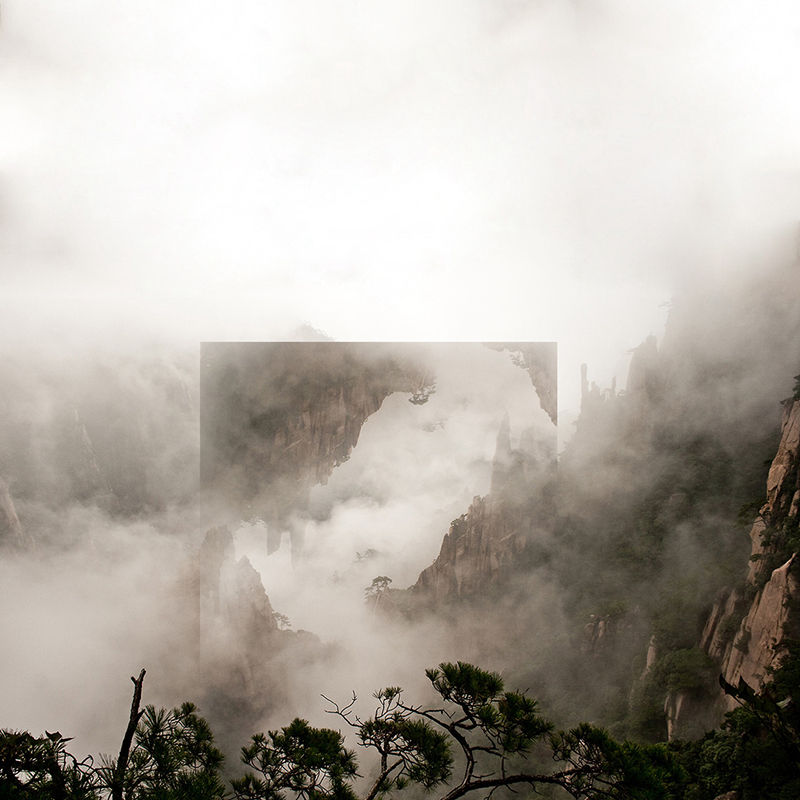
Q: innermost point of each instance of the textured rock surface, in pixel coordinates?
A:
(766, 625)
(715, 639)
(226, 597)
(485, 544)
(747, 649)
(11, 530)
(230, 652)
(782, 481)
(476, 551)
(687, 716)
(540, 360)
(277, 418)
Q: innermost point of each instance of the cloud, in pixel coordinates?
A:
(465, 171)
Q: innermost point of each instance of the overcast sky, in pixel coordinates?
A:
(448, 170)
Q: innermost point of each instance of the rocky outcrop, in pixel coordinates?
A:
(744, 637)
(645, 373)
(483, 546)
(769, 622)
(480, 547)
(783, 481)
(718, 634)
(597, 633)
(540, 360)
(229, 649)
(687, 715)
(277, 418)
(11, 530)
(225, 598)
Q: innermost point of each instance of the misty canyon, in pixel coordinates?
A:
(317, 517)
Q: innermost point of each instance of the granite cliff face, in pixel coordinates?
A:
(480, 547)
(231, 647)
(646, 530)
(225, 602)
(277, 418)
(746, 627)
(485, 545)
(540, 361)
(11, 530)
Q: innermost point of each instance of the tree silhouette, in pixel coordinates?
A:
(482, 739)
(477, 738)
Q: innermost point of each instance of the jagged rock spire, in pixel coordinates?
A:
(502, 456)
(11, 529)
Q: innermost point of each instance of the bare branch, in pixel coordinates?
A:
(118, 779)
(345, 712)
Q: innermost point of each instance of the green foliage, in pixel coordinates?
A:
(173, 758)
(281, 620)
(511, 719)
(742, 641)
(687, 670)
(756, 752)
(42, 768)
(421, 751)
(729, 627)
(495, 731)
(675, 620)
(785, 678)
(606, 768)
(684, 670)
(741, 756)
(378, 586)
(779, 541)
(467, 686)
(646, 719)
(307, 762)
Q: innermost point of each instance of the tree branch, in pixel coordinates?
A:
(343, 711)
(452, 729)
(118, 780)
(385, 773)
(554, 779)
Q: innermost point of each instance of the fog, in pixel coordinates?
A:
(101, 459)
(474, 171)
(463, 171)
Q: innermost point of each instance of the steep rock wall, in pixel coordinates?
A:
(486, 544)
(479, 548)
(11, 530)
(540, 360)
(229, 651)
(277, 418)
(749, 648)
(767, 624)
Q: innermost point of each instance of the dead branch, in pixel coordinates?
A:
(118, 781)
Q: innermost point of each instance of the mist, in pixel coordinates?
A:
(478, 171)
(584, 173)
